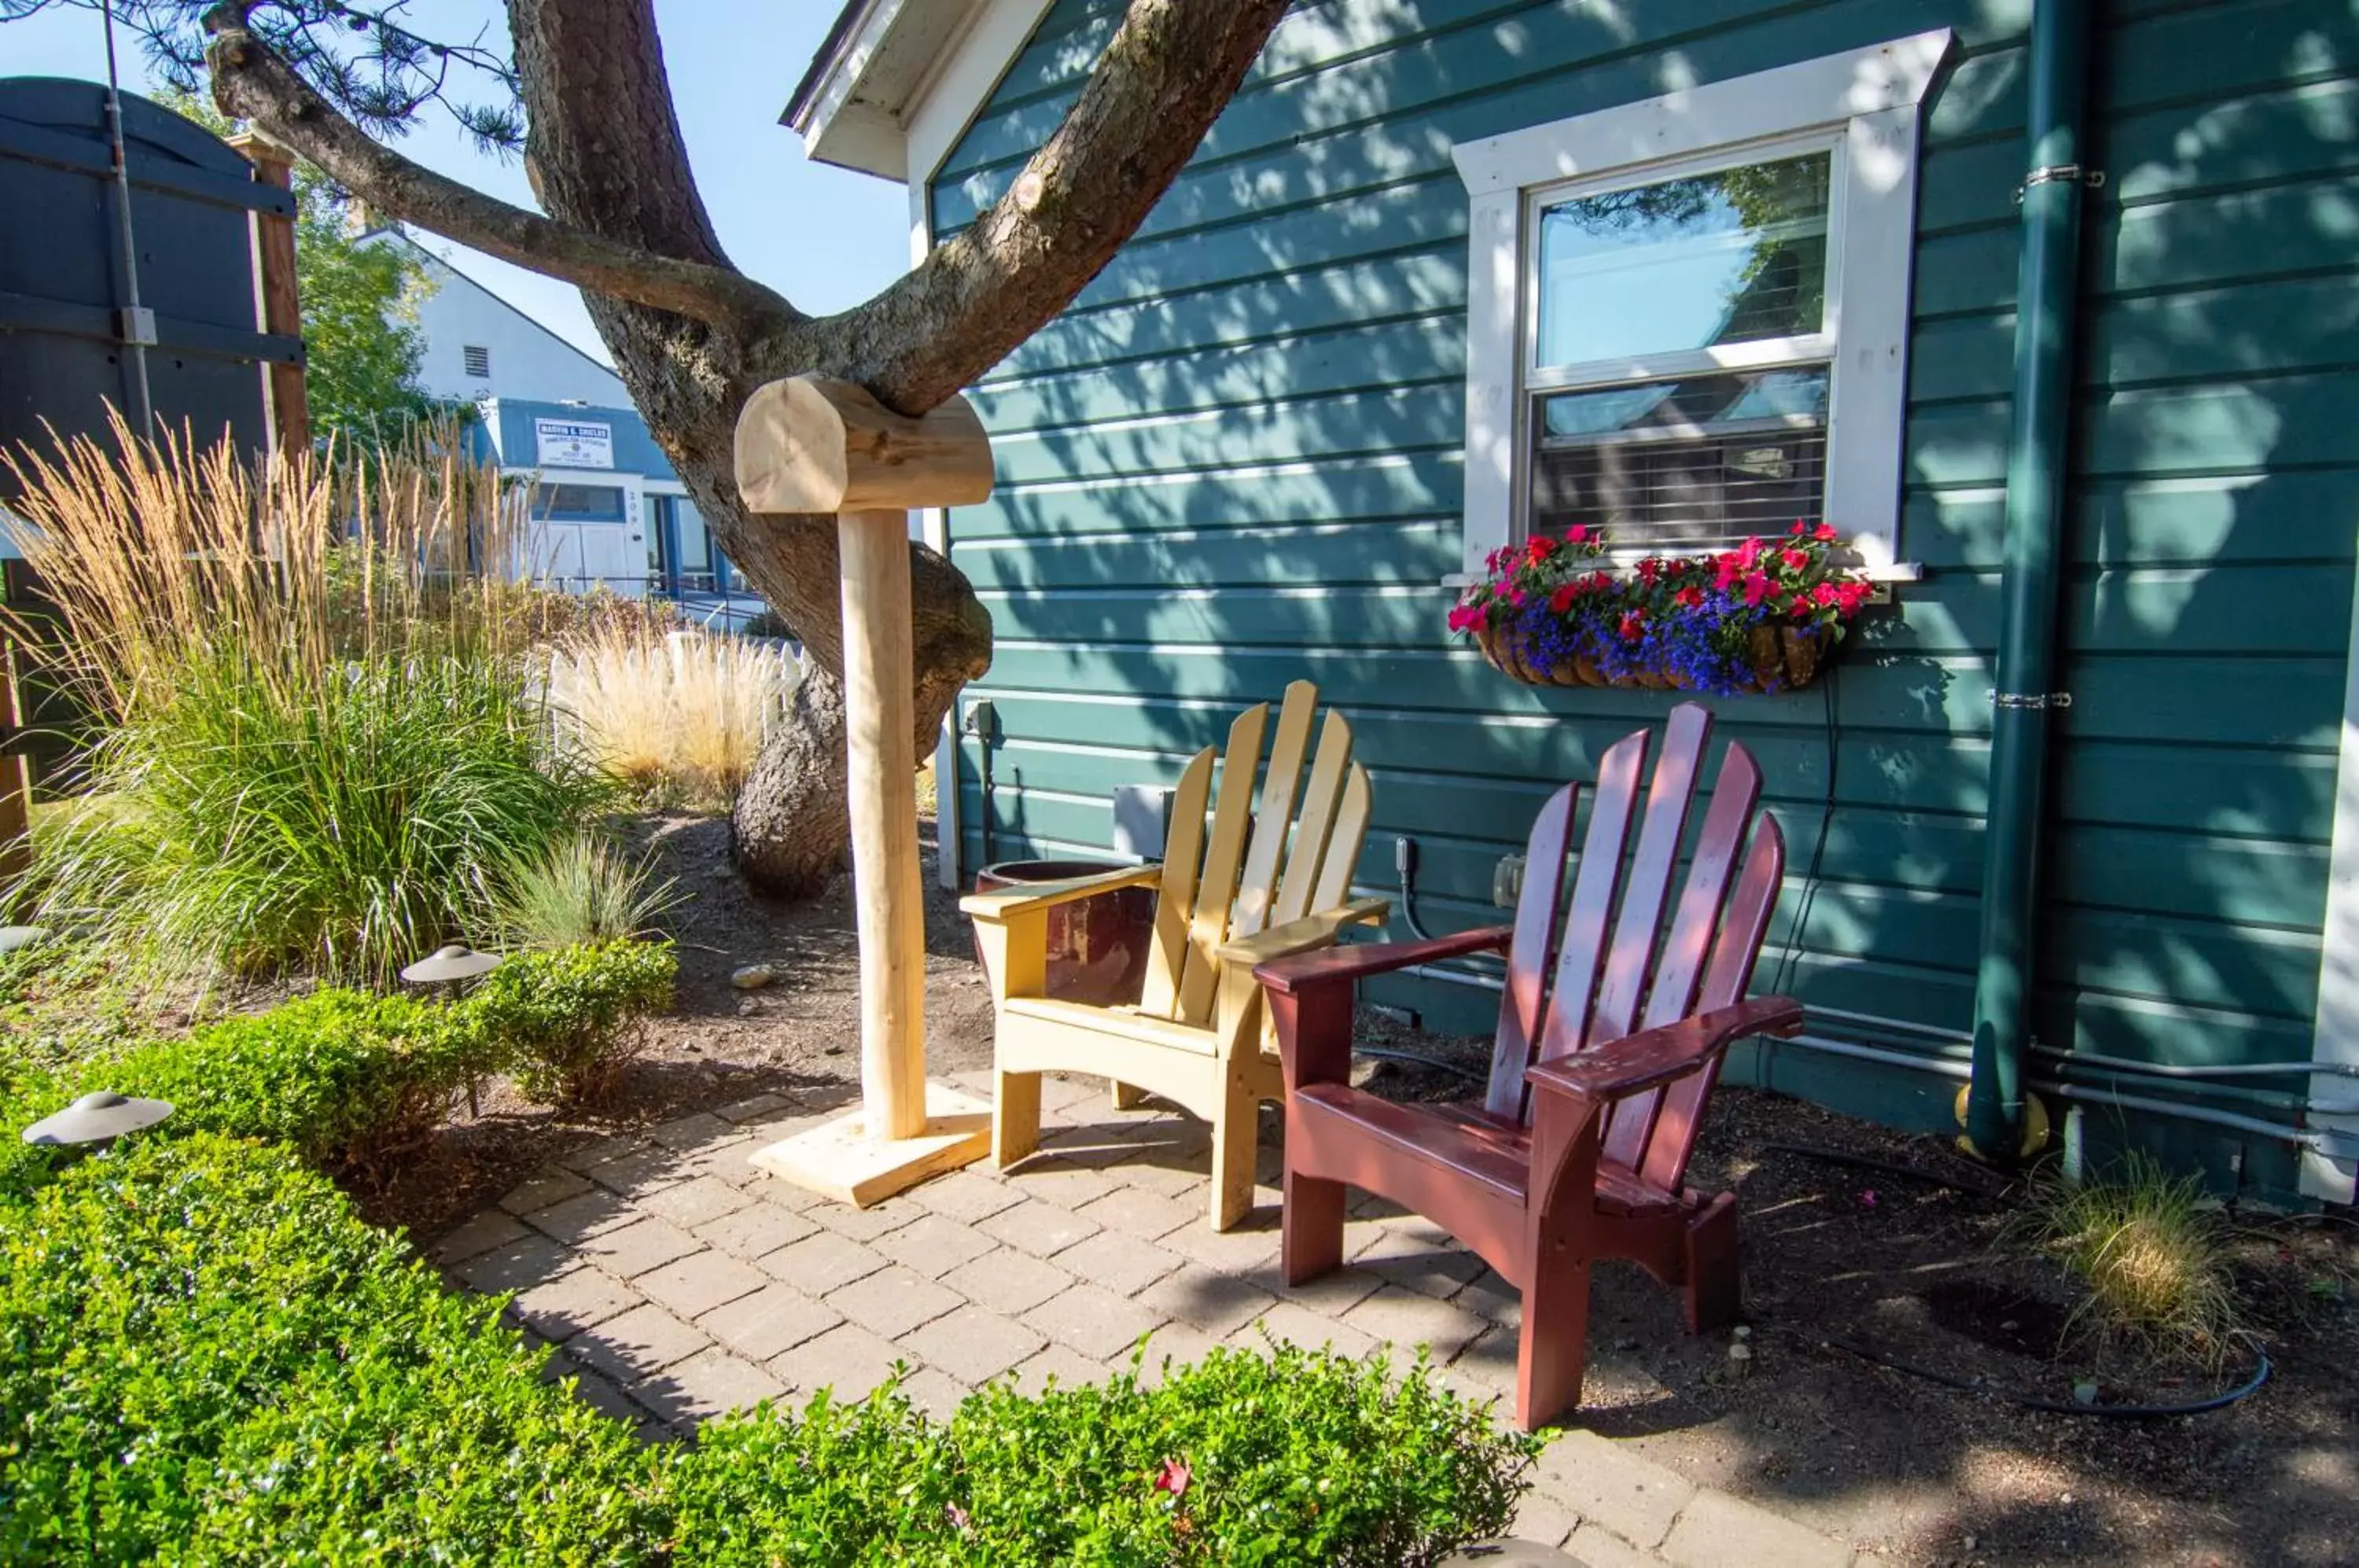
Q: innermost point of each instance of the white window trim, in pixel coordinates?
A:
(1865, 104)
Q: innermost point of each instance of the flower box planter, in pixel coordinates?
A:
(1785, 658)
(1762, 617)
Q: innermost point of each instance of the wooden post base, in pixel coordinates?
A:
(840, 1160)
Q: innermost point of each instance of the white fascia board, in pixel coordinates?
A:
(909, 79)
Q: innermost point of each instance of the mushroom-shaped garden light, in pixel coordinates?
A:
(99, 1117)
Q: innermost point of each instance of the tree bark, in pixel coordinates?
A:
(692, 337)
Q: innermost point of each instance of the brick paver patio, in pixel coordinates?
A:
(679, 1282)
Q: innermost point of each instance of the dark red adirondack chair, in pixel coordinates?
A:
(1606, 1057)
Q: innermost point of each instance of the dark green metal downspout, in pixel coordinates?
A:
(2046, 294)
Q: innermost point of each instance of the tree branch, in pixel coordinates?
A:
(253, 83)
(1169, 69)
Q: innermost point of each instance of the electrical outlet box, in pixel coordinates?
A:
(136, 324)
(1507, 881)
(1142, 820)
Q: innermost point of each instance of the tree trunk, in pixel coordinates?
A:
(789, 831)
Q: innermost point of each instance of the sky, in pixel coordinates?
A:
(826, 238)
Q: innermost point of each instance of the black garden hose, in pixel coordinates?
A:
(2032, 1401)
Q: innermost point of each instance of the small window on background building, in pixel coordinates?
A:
(478, 361)
(579, 502)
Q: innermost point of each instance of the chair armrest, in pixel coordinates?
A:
(1305, 935)
(1285, 976)
(1655, 1057)
(1001, 903)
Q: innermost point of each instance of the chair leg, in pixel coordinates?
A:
(1714, 1291)
(1234, 1135)
(1127, 1097)
(1552, 1354)
(1310, 1229)
(1014, 1116)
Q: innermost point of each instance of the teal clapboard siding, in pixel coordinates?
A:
(1235, 459)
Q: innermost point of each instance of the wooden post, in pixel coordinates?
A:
(817, 445)
(279, 301)
(879, 671)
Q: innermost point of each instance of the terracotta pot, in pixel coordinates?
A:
(1097, 945)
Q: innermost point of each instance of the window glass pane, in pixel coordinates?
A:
(655, 505)
(695, 549)
(1673, 465)
(579, 502)
(1731, 256)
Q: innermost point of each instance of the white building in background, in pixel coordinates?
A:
(610, 510)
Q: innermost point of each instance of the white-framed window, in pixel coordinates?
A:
(1688, 318)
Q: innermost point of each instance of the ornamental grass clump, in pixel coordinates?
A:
(676, 714)
(1717, 623)
(2153, 1253)
(316, 739)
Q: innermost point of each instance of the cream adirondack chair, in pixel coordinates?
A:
(1198, 1035)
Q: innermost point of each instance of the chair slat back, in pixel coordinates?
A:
(1208, 926)
(1596, 992)
(1323, 814)
(1527, 955)
(1281, 844)
(1257, 883)
(1175, 899)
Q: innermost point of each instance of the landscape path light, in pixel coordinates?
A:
(98, 1117)
(454, 965)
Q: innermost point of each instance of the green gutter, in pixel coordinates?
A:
(2046, 296)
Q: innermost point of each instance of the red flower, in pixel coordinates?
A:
(1799, 604)
(1724, 571)
(1757, 588)
(1173, 1477)
(1690, 596)
(1824, 533)
(1649, 569)
(1850, 596)
(1747, 553)
(1515, 597)
(1540, 548)
(1633, 625)
(1577, 534)
(1825, 594)
(1795, 559)
(1465, 617)
(1799, 528)
(1561, 600)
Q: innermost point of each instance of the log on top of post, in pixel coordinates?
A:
(815, 444)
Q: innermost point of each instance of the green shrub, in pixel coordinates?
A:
(343, 1078)
(579, 889)
(346, 826)
(205, 1356)
(567, 1021)
(2153, 1252)
(1295, 1457)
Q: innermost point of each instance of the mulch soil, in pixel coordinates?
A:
(1851, 1232)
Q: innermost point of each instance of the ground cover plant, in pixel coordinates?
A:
(318, 741)
(206, 1356)
(579, 889)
